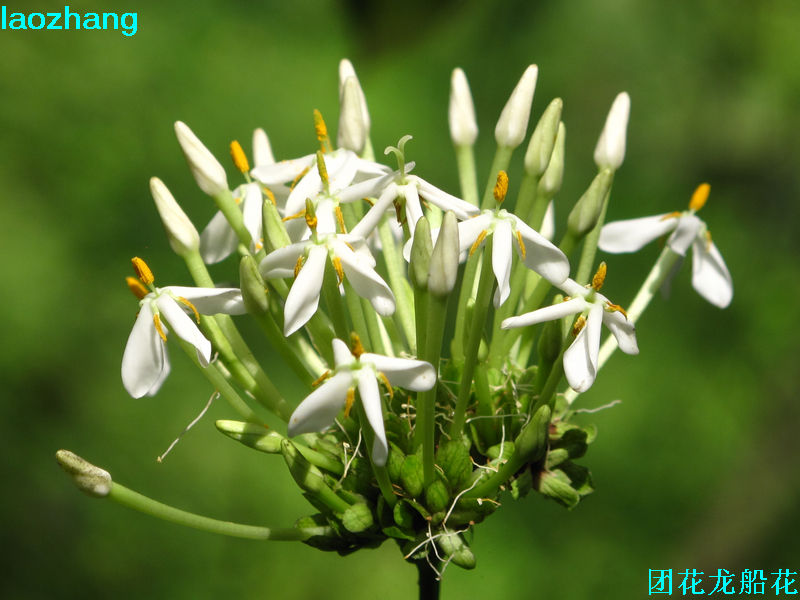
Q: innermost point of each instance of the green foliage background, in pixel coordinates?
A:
(697, 468)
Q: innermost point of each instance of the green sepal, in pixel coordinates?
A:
(522, 485)
(403, 515)
(456, 549)
(556, 485)
(358, 518)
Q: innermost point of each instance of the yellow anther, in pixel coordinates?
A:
(337, 265)
(599, 277)
(159, 329)
(322, 131)
(672, 215)
(321, 378)
(348, 403)
(349, 245)
(355, 345)
(260, 244)
(188, 304)
(268, 193)
(302, 213)
(699, 197)
(478, 241)
(239, 157)
(136, 287)
(521, 243)
(298, 265)
(610, 307)
(501, 187)
(339, 218)
(369, 201)
(143, 272)
(323, 169)
(238, 200)
(311, 220)
(386, 384)
(580, 323)
(300, 175)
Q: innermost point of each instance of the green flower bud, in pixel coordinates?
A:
(543, 139)
(550, 340)
(306, 475)
(358, 518)
(443, 269)
(531, 443)
(252, 435)
(421, 249)
(275, 235)
(455, 548)
(586, 211)
(90, 479)
(412, 476)
(550, 182)
(556, 485)
(454, 460)
(254, 291)
(437, 498)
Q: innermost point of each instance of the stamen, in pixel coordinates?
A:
(143, 272)
(699, 197)
(478, 241)
(610, 307)
(339, 218)
(708, 239)
(300, 175)
(348, 403)
(268, 193)
(136, 287)
(672, 215)
(580, 323)
(501, 187)
(159, 329)
(298, 265)
(321, 378)
(521, 244)
(599, 277)
(239, 157)
(185, 302)
(355, 345)
(238, 200)
(337, 265)
(311, 218)
(386, 383)
(322, 131)
(302, 213)
(323, 169)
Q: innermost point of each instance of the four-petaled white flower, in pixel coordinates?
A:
(145, 364)
(580, 359)
(710, 275)
(307, 259)
(362, 370)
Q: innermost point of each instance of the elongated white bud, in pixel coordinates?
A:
(89, 478)
(543, 139)
(346, 71)
(610, 150)
(352, 133)
(443, 266)
(208, 172)
(182, 235)
(461, 113)
(513, 123)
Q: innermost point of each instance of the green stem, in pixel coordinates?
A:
(429, 583)
(468, 180)
(586, 264)
(333, 300)
(398, 282)
(502, 157)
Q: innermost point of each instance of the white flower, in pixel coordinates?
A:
(580, 359)
(309, 257)
(710, 275)
(145, 364)
(362, 370)
(183, 237)
(219, 240)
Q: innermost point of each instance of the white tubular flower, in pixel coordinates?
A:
(710, 276)
(307, 260)
(145, 364)
(513, 122)
(461, 112)
(182, 235)
(610, 150)
(218, 240)
(581, 358)
(262, 149)
(208, 172)
(359, 369)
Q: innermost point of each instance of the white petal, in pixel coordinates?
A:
(368, 188)
(407, 373)
(211, 301)
(542, 256)
(208, 172)
(610, 150)
(572, 288)
(371, 401)
(303, 298)
(252, 206)
(413, 206)
(445, 201)
(341, 353)
(631, 234)
(469, 230)
(513, 122)
(184, 327)
(262, 150)
(501, 260)
(374, 215)
(461, 112)
(366, 281)
(580, 359)
(548, 228)
(144, 362)
(277, 262)
(710, 275)
(623, 330)
(218, 240)
(319, 409)
(689, 227)
(283, 171)
(548, 313)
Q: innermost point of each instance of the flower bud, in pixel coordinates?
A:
(347, 71)
(254, 292)
(456, 549)
(436, 496)
(352, 133)
(513, 123)
(182, 235)
(306, 475)
(275, 235)
(252, 435)
(411, 475)
(550, 182)
(90, 479)
(461, 113)
(610, 150)
(586, 212)
(262, 149)
(420, 258)
(556, 485)
(531, 443)
(543, 139)
(208, 172)
(444, 258)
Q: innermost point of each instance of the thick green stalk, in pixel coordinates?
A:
(467, 177)
(398, 282)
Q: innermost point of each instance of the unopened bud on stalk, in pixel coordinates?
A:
(254, 291)
(543, 139)
(421, 249)
(262, 149)
(444, 258)
(586, 211)
(513, 123)
(352, 133)
(90, 479)
(456, 549)
(306, 475)
(250, 434)
(610, 150)
(461, 113)
(208, 172)
(531, 443)
(182, 235)
(550, 182)
(275, 235)
(346, 71)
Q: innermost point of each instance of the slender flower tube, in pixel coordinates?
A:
(360, 370)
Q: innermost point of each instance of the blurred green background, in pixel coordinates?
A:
(697, 468)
